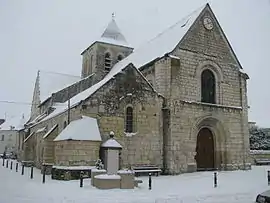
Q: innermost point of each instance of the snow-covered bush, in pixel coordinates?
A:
(259, 138)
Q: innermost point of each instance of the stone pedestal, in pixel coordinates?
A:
(127, 179)
(105, 181)
(95, 172)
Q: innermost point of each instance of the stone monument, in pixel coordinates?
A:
(111, 177)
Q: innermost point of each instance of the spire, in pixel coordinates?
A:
(113, 32)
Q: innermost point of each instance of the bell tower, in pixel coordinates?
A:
(104, 53)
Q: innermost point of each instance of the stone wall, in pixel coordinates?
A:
(29, 150)
(178, 78)
(141, 147)
(144, 144)
(39, 149)
(76, 153)
(114, 50)
(47, 145)
(72, 90)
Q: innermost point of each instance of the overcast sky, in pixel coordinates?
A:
(50, 35)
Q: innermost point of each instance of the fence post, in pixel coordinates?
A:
(11, 163)
(3, 164)
(215, 179)
(22, 169)
(17, 164)
(31, 173)
(7, 164)
(43, 174)
(150, 181)
(81, 179)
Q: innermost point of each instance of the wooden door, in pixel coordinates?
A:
(205, 150)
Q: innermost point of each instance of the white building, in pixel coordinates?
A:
(9, 134)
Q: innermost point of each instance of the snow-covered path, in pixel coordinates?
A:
(237, 186)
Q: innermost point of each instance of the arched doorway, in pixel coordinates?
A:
(205, 153)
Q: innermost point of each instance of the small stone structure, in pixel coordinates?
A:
(95, 172)
(106, 181)
(127, 179)
(111, 177)
(111, 149)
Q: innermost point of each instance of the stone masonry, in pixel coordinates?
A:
(168, 114)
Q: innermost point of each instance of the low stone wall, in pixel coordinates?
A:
(76, 153)
(258, 154)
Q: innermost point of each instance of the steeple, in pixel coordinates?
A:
(110, 48)
(113, 34)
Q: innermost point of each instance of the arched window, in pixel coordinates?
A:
(208, 87)
(107, 61)
(65, 125)
(119, 58)
(129, 119)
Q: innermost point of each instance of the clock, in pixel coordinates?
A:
(208, 24)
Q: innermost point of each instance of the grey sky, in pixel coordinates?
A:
(50, 35)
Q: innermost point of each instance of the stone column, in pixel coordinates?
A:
(112, 149)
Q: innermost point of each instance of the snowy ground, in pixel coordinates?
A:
(237, 186)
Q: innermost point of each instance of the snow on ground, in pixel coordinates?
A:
(237, 186)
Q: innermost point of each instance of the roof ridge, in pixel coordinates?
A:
(175, 24)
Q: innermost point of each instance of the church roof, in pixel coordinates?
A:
(112, 35)
(85, 128)
(113, 32)
(162, 44)
(51, 82)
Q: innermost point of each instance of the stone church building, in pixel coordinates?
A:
(179, 102)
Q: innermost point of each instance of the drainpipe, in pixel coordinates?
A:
(165, 129)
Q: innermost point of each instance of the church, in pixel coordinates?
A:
(178, 102)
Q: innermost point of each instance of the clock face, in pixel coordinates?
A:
(208, 24)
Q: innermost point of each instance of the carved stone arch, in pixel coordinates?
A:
(220, 136)
(218, 73)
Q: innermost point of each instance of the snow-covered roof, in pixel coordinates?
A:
(14, 123)
(111, 143)
(162, 44)
(50, 131)
(51, 82)
(85, 128)
(27, 138)
(112, 35)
